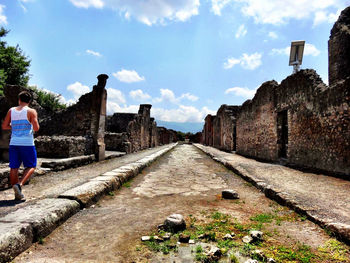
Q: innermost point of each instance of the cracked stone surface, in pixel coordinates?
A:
(111, 230)
(324, 197)
(175, 177)
(53, 184)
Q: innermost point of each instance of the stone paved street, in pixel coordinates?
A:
(324, 198)
(184, 181)
(55, 183)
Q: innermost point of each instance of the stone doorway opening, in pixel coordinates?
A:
(282, 133)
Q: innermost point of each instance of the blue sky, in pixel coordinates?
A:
(185, 57)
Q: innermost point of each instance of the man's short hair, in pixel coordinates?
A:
(25, 96)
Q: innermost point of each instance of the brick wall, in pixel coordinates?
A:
(256, 124)
(224, 138)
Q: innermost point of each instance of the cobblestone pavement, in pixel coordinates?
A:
(54, 183)
(184, 181)
(326, 198)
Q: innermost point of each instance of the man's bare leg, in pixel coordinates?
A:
(13, 176)
(26, 175)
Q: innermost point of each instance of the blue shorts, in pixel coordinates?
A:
(25, 154)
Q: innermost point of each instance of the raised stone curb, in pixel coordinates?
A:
(66, 163)
(340, 230)
(90, 192)
(19, 229)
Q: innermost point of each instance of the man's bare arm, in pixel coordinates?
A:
(33, 119)
(6, 124)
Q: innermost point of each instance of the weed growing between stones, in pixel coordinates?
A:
(111, 193)
(225, 232)
(41, 241)
(127, 184)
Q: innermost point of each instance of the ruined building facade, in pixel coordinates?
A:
(301, 121)
(84, 128)
(131, 132)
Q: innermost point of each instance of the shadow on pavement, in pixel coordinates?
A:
(4, 203)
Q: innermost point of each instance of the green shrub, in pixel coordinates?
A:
(48, 100)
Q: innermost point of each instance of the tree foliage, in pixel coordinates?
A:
(48, 100)
(14, 65)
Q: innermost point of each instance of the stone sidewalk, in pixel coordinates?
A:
(54, 197)
(323, 199)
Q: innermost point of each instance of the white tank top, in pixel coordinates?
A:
(21, 128)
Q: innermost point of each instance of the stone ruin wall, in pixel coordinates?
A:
(318, 122)
(208, 130)
(145, 119)
(136, 132)
(217, 122)
(154, 134)
(256, 127)
(317, 115)
(339, 49)
(86, 118)
(225, 138)
(166, 136)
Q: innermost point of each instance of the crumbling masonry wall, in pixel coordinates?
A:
(132, 132)
(85, 118)
(208, 130)
(256, 124)
(302, 121)
(166, 136)
(318, 122)
(224, 127)
(154, 134)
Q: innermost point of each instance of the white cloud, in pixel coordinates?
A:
(181, 114)
(139, 95)
(93, 53)
(78, 89)
(309, 50)
(188, 96)
(278, 12)
(128, 76)
(115, 95)
(88, 3)
(113, 107)
(241, 92)
(246, 61)
(231, 62)
(218, 5)
(272, 35)
(323, 16)
(3, 18)
(241, 32)
(167, 95)
(148, 12)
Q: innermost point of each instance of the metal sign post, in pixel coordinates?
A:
(296, 54)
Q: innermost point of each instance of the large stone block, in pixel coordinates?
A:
(15, 237)
(44, 216)
(63, 146)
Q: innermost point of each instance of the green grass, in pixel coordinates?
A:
(335, 250)
(127, 184)
(216, 225)
(263, 218)
(41, 240)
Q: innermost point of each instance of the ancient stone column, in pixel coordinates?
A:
(98, 114)
(145, 113)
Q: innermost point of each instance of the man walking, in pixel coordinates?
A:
(22, 121)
